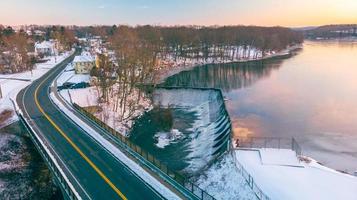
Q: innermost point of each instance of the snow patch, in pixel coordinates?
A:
(138, 170)
(166, 138)
(223, 181)
(312, 181)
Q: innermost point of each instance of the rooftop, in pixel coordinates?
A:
(83, 58)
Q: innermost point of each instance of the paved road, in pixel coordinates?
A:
(94, 172)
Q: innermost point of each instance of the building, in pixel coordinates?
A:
(45, 48)
(83, 64)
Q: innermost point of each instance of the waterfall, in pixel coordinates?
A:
(211, 130)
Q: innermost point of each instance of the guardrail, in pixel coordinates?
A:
(268, 142)
(249, 179)
(67, 187)
(194, 189)
(261, 142)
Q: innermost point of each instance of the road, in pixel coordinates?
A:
(94, 172)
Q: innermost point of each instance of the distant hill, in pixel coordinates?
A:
(330, 31)
(306, 28)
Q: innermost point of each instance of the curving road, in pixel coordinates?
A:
(94, 172)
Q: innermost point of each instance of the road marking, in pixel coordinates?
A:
(50, 146)
(100, 173)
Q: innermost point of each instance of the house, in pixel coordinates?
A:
(83, 64)
(45, 48)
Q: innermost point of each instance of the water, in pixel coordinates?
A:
(187, 129)
(311, 96)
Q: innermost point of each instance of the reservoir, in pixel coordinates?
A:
(311, 96)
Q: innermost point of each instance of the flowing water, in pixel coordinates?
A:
(311, 96)
(187, 129)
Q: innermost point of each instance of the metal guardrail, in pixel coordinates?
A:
(268, 142)
(52, 164)
(262, 142)
(249, 179)
(194, 189)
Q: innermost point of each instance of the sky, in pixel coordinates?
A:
(292, 13)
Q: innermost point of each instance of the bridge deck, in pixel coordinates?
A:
(94, 172)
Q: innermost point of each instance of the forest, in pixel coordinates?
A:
(141, 52)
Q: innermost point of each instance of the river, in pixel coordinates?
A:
(311, 96)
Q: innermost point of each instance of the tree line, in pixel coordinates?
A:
(17, 47)
(138, 51)
(331, 31)
(14, 48)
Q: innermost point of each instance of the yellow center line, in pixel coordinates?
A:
(101, 174)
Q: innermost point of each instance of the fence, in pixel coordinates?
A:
(268, 142)
(249, 179)
(63, 181)
(262, 142)
(194, 189)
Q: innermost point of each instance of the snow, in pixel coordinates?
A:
(69, 76)
(279, 157)
(83, 58)
(115, 118)
(223, 181)
(137, 169)
(84, 97)
(170, 66)
(44, 45)
(311, 181)
(166, 138)
(209, 128)
(65, 76)
(79, 78)
(12, 84)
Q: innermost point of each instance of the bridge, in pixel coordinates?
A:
(82, 166)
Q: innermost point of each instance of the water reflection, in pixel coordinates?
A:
(311, 96)
(226, 77)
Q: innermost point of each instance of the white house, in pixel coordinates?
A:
(45, 48)
(83, 64)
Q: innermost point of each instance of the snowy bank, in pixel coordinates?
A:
(119, 118)
(281, 175)
(170, 66)
(223, 181)
(12, 84)
(117, 153)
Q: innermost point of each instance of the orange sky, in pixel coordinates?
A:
(170, 12)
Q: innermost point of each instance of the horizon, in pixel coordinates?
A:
(292, 14)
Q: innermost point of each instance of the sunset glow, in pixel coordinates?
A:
(291, 13)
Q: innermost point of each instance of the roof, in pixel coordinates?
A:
(83, 58)
(44, 45)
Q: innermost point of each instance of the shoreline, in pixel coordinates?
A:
(177, 68)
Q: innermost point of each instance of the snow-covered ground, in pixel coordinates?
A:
(87, 97)
(280, 175)
(84, 97)
(11, 84)
(19, 163)
(170, 66)
(23, 175)
(136, 168)
(223, 181)
(69, 76)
